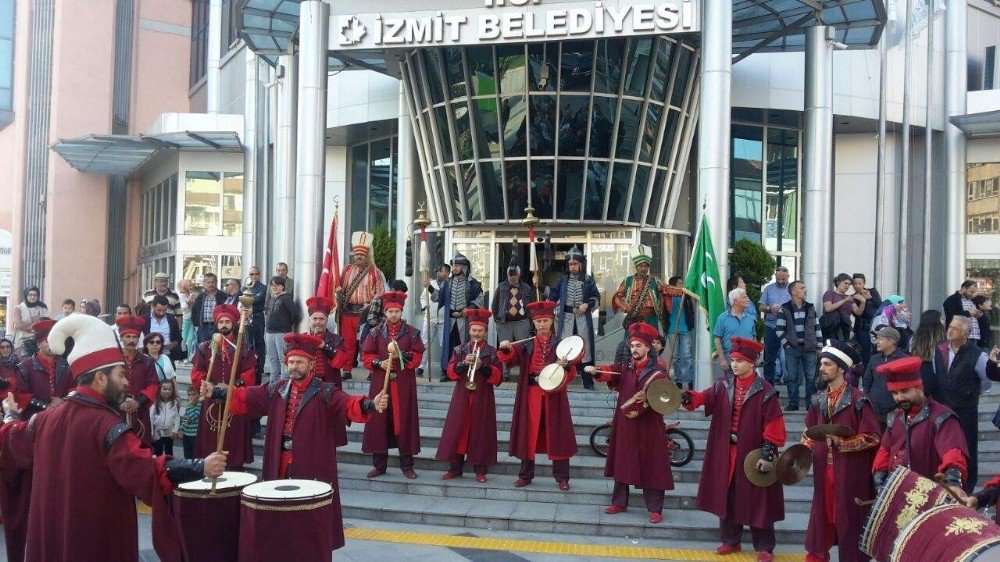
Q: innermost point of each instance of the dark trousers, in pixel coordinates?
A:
(560, 470)
(968, 418)
(772, 352)
(732, 532)
(163, 446)
(188, 444)
(653, 498)
(588, 380)
(458, 465)
(864, 340)
(205, 332)
(381, 461)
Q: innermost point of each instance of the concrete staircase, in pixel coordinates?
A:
(542, 507)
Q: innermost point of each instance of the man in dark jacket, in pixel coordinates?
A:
(798, 332)
(960, 302)
(863, 321)
(963, 371)
(510, 306)
(259, 292)
(157, 320)
(874, 384)
(281, 317)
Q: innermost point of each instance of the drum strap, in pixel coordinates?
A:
(114, 433)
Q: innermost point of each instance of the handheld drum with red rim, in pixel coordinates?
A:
(571, 349)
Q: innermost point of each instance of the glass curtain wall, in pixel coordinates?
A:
(374, 184)
(580, 130)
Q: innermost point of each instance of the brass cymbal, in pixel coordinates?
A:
(756, 477)
(793, 464)
(822, 431)
(663, 396)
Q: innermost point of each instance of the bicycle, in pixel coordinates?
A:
(679, 443)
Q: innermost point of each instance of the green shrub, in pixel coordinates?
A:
(384, 250)
(755, 265)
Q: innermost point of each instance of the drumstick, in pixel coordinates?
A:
(939, 478)
(607, 372)
(247, 301)
(862, 503)
(513, 343)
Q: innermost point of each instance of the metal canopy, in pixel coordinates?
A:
(267, 27)
(984, 125)
(123, 154)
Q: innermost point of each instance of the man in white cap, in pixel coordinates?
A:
(161, 286)
(85, 457)
(361, 282)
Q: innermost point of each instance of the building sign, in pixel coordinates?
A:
(408, 23)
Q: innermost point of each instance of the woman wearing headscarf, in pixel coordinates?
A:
(24, 315)
(894, 313)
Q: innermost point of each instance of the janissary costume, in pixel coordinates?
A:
(459, 292)
(143, 382)
(361, 282)
(572, 291)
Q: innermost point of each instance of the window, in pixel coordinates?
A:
(199, 39)
(159, 211)
(203, 204)
(6, 61)
(229, 33)
(232, 204)
(374, 184)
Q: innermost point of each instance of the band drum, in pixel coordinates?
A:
(904, 495)
(572, 349)
(210, 523)
(552, 378)
(948, 533)
(286, 520)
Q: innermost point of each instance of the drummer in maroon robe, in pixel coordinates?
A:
(542, 422)
(471, 425)
(303, 413)
(140, 369)
(332, 356)
(398, 344)
(237, 441)
(936, 443)
(91, 463)
(44, 377)
(841, 466)
(638, 454)
(745, 416)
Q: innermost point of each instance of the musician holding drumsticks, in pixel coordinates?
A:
(303, 413)
(542, 422)
(471, 425)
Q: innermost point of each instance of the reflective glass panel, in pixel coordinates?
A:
(781, 204)
(639, 188)
(195, 266)
(543, 73)
(456, 76)
(232, 204)
(453, 193)
(445, 133)
(461, 112)
(484, 112)
(576, 66)
(681, 83)
(493, 195)
(570, 189)
(595, 185)
(747, 179)
(435, 74)
(511, 68)
(650, 129)
(359, 186)
(203, 204)
(617, 198)
(517, 188)
(673, 121)
(661, 69)
(601, 122)
(573, 124)
(628, 129)
(377, 202)
(638, 67)
(482, 70)
(543, 125)
(542, 187)
(608, 68)
(514, 115)
(479, 255)
(656, 196)
(470, 183)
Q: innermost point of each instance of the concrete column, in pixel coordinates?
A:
(314, 31)
(283, 217)
(214, 71)
(817, 164)
(714, 135)
(956, 84)
(251, 111)
(406, 176)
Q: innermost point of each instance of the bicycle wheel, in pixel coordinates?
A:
(599, 439)
(682, 450)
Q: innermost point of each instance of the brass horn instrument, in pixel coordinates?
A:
(470, 384)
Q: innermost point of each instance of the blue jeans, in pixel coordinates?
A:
(682, 359)
(799, 363)
(772, 352)
(275, 343)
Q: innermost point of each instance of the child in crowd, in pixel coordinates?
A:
(189, 422)
(165, 417)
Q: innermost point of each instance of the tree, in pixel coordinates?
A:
(384, 250)
(755, 265)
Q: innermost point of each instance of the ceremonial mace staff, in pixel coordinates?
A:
(422, 222)
(246, 303)
(530, 220)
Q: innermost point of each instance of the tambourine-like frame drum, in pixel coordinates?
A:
(572, 349)
(198, 510)
(552, 378)
(286, 520)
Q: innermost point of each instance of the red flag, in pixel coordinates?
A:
(330, 278)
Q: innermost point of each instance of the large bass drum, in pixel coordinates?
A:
(904, 495)
(286, 520)
(197, 510)
(948, 533)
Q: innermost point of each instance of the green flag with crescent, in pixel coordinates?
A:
(702, 280)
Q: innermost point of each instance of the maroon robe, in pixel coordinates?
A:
(238, 439)
(851, 471)
(643, 459)
(143, 383)
(86, 509)
(529, 433)
(35, 383)
(322, 409)
(753, 505)
(470, 427)
(402, 431)
(936, 442)
(15, 487)
(328, 369)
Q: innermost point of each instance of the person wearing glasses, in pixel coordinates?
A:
(154, 349)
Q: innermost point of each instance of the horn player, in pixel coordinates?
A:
(746, 416)
(644, 459)
(841, 466)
